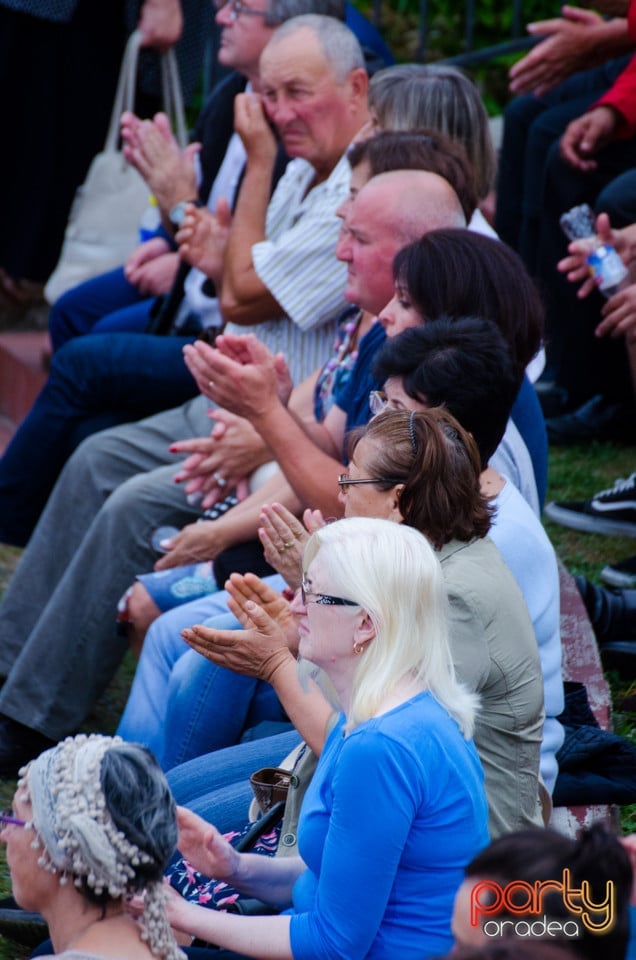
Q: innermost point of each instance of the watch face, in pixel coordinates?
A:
(178, 213)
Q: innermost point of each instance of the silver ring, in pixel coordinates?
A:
(220, 479)
(211, 384)
(288, 545)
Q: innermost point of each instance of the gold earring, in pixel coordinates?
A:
(358, 648)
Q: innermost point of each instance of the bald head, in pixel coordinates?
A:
(411, 202)
(390, 211)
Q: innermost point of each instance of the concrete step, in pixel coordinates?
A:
(23, 358)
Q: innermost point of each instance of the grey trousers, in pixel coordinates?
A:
(58, 644)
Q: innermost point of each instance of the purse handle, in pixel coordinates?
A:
(125, 94)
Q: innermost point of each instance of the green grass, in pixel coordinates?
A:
(574, 474)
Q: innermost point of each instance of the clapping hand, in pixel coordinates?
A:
(203, 236)
(284, 537)
(263, 646)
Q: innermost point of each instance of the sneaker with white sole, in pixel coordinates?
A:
(612, 511)
(621, 574)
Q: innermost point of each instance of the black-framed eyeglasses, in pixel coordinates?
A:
(345, 481)
(237, 8)
(7, 817)
(324, 599)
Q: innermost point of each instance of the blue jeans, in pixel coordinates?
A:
(95, 382)
(105, 304)
(216, 786)
(182, 705)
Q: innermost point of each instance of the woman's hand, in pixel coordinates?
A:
(232, 451)
(193, 544)
(257, 651)
(205, 848)
(244, 589)
(283, 537)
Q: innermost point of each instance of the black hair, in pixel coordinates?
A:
(463, 365)
(455, 273)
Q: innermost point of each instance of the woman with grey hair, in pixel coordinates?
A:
(93, 825)
(414, 96)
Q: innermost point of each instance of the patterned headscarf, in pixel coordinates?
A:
(78, 837)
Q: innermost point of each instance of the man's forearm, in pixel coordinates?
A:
(312, 472)
(242, 289)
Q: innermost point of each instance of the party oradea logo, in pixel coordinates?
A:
(527, 910)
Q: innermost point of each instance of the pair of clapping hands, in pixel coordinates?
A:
(619, 312)
(170, 172)
(269, 636)
(238, 370)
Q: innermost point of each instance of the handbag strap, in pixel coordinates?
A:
(125, 94)
(173, 96)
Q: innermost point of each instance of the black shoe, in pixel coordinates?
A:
(612, 613)
(620, 656)
(598, 419)
(18, 745)
(612, 512)
(22, 926)
(621, 574)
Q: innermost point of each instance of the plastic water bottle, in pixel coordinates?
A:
(150, 221)
(603, 261)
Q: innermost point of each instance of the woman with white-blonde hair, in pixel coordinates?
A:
(397, 801)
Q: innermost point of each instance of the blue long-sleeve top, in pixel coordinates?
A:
(393, 814)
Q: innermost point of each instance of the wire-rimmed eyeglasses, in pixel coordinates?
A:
(345, 481)
(237, 8)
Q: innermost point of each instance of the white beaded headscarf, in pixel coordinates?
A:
(79, 838)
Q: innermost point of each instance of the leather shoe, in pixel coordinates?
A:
(612, 613)
(598, 419)
(22, 926)
(18, 745)
(621, 657)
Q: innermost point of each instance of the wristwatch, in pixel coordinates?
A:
(177, 213)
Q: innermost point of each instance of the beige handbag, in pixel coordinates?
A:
(103, 227)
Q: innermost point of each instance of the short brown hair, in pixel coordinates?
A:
(438, 463)
(419, 150)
